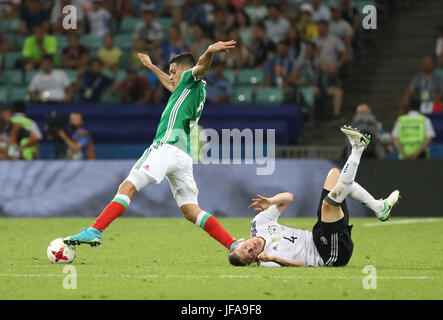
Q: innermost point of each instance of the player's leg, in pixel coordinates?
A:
(382, 208)
(138, 179)
(337, 99)
(184, 189)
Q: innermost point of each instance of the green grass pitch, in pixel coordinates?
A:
(169, 258)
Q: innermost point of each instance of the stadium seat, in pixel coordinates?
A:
(92, 42)
(12, 77)
(251, 77)
(3, 95)
(18, 94)
(72, 75)
(123, 41)
(242, 95)
(10, 25)
(128, 24)
(106, 98)
(62, 41)
(165, 22)
(269, 95)
(231, 75)
(439, 72)
(29, 75)
(120, 76)
(11, 59)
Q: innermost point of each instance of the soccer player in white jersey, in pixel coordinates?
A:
(169, 154)
(330, 243)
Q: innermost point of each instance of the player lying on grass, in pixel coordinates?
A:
(329, 243)
(169, 154)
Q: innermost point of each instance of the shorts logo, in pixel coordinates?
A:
(324, 241)
(146, 167)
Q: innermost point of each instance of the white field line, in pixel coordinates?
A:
(185, 276)
(399, 222)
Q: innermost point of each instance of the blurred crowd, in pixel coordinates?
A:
(301, 47)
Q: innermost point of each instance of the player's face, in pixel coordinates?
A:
(175, 73)
(249, 250)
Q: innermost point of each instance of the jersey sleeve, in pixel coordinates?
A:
(188, 77)
(269, 215)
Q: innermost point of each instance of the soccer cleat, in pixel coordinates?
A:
(90, 236)
(389, 203)
(356, 138)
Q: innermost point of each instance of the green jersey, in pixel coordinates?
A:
(182, 112)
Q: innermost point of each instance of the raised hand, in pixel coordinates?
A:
(144, 58)
(260, 203)
(222, 46)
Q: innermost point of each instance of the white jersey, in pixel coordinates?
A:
(284, 242)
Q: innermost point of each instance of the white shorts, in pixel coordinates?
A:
(170, 162)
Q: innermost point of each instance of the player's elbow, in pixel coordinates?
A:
(290, 196)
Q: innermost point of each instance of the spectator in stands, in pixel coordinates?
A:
(4, 45)
(37, 46)
(75, 55)
(439, 49)
(149, 29)
(218, 88)
(174, 44)
(256, 11)
(243, 24)
(427, 85)
(279, 70)
(99, 19)
(320, 12)
(201, 41)
(366, 122)
(92, 83)
(296, 46)
(9, 9)
(333, 53)
(14, 138)
(413, 133)
(133, 89)
(19, 116)
(306, 27)
(109, 54)
(261, 46)
(276, 25)
(33, 13)
(50, 84)
(194, 13)
(219, 25)
(239, 58)
(177, 18)
(339, 26)
(57, 15)
(351, 15)
(78, 141)
(139, 46)
(119, 9)
(307, 74)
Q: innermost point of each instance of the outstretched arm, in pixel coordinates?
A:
(162, 76)
(284, 262)
(281, 200)
(204, 62)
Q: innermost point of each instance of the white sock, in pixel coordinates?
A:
(358, 193)
(341, 190)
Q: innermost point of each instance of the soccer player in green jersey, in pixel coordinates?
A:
(169, 154)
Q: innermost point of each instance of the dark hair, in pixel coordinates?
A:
(19, 106)
(184, 59)
(234, 259)
(415, 104)
(48, 57)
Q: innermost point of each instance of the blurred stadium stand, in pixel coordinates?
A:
(384, 60)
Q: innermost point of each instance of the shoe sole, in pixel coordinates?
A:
(79, 242)
(353, 132)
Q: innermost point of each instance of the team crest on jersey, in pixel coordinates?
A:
(274, 229)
